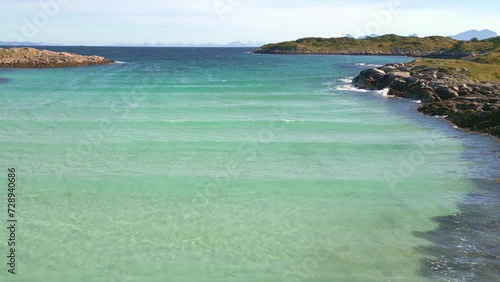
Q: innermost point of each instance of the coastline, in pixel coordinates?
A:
(475, 224)
(465, 103)
(402, 53)
(457, 80)
(469, 252)
(281, 201)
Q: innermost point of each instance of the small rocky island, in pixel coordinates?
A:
(34, 58)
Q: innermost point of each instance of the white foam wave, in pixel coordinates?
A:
(369, 65)
(120, 62)
(346, 80)
(384, 92)
(417, 101)
(350, 87)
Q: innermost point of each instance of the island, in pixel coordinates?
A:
(385, 45)
(455, 80)
(34, 58)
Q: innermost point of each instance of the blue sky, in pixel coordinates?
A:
(101, 22)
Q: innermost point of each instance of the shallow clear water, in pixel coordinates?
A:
(186, 164)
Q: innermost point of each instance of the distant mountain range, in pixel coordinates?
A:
(468, 35)
(464, 36)
(159, 44)
(22, 43)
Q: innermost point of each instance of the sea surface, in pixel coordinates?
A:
(218, 165)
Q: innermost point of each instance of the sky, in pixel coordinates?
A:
(105, 22)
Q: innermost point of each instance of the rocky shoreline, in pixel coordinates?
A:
(432, 47)
(34, 58)
(466, 103)
(392, 52)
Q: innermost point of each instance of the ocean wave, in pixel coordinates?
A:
(346, 80)
(334, 83)
(384, 92)
(350, 87)
(176, 121)
(369, 65)
(120, 62)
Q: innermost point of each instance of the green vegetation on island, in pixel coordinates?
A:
(385, 45)
(464, 69)
(474, 60)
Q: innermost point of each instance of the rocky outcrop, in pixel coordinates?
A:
(467, 104)
(34, 58)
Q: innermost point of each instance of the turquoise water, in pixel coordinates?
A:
(182, 164)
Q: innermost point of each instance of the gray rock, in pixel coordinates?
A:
(472, 105)
(389, 68)
(369, 78)
(446, 93)
(421, 92)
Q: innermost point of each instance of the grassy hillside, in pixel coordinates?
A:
(491, 54)
(386, 44)
(475, 59)
(484, 67)
(468, 70)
